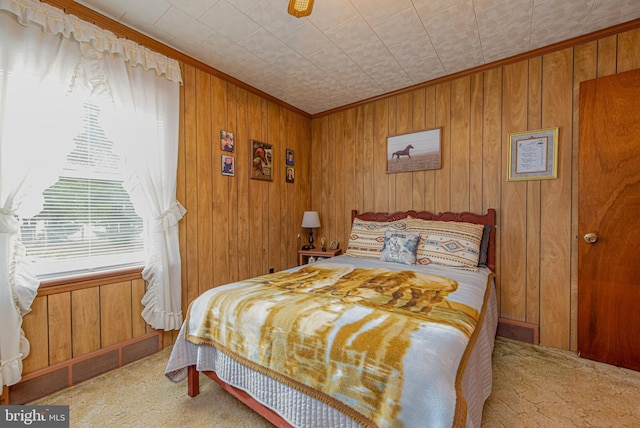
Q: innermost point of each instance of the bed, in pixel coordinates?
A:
(398, 331)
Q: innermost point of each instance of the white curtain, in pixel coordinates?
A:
(143, 126)
(41, 68)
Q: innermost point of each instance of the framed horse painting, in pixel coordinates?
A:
(261, 161)
(414, 152)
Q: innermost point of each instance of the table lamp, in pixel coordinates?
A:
(310, 220)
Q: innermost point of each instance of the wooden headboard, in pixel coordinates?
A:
(488, 219)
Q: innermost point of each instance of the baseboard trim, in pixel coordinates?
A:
(54, 378)
(518, 330)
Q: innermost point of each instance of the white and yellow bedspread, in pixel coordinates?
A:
(382, 343)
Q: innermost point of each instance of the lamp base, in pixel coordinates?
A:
(311, 246)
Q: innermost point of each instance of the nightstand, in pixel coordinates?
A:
(303, 255)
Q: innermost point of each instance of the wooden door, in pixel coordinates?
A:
(609, 208)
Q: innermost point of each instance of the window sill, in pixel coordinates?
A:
(89, 280)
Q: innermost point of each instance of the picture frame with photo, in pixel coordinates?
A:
(261, 161)
(228, 165)
(416, 151)
(290, 158)
(226, 141)
(290, 174)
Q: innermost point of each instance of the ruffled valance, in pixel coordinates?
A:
(54, 21)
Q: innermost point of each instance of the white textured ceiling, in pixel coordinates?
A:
(351, 50)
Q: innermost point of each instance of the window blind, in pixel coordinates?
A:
(88, 223)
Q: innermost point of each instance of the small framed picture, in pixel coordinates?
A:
(261, 161)
(334, 245)
(228, 165)
(290, 174)
(289, 159)
(226, 141)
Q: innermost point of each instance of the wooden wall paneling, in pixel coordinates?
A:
(294, 206)
(607, 56)
(555, 278)
(285, 230)
(475, 144)
(34, 325)
(264, 192)
(308, 165)
(242, 155)
(181, 196)
(418, 186)
(85, 320)
(232, 187)
(584, 68)
(326, 207)
(276, 217)
(190, 201)
(391, 130)
(350, 184)
(492, 167)
(460, 135)
(219, 195)
(59, 327)
(443, 120)
(404, 125)
(534, 121)
(379, 173)
(629, 50)
(138, 325)
(430, 123)
(337, 226)
(255, 190)
(115, 313)
(514, 198)
(359, 185)
(368, 158)
(303, 145)
(320, 139)
(204, 181)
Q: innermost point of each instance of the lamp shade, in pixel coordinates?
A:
(310, 219)
(300, 8)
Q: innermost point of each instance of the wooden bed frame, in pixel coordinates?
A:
(488, 219)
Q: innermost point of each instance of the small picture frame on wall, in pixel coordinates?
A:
(261, 161)
(226, 141)
(290, 174)
(228, 165)
(290, 160)
(533, 155)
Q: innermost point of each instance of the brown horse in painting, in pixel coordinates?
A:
(403, 152)
(259, 160)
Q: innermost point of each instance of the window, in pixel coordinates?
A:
(88, 223)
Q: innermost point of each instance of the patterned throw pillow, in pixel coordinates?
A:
(400, 247)
(450, 243)
(367, 237)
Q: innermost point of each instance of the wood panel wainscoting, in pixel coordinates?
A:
(78, 330)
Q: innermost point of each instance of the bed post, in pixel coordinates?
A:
(193, 378)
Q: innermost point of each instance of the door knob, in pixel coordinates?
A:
(591, 238)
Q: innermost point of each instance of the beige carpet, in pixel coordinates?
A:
(533, 387)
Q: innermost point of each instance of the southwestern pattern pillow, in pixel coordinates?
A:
(400, 247)
(367, 237)
(450, 243)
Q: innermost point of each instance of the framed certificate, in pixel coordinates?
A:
(533, 155)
